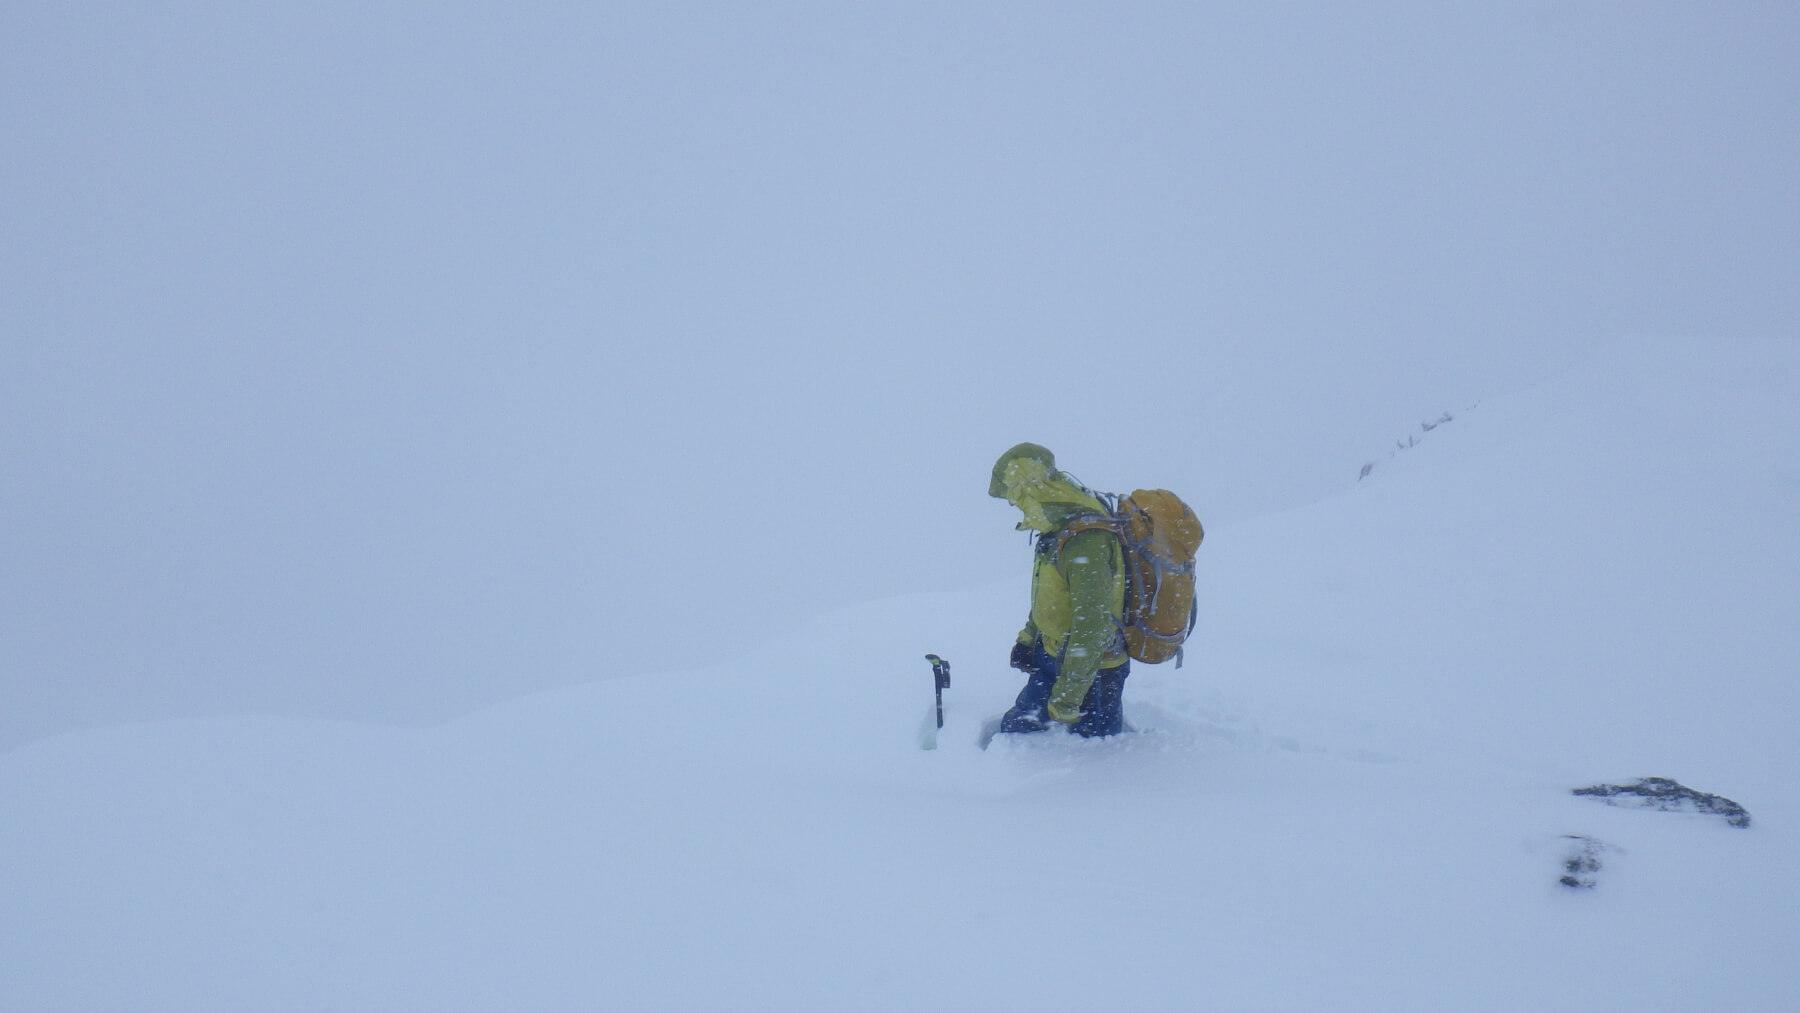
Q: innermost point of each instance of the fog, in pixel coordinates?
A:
(382, 362)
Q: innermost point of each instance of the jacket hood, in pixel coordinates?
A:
(1020, 452)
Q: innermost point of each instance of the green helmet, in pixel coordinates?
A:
(1024, 451)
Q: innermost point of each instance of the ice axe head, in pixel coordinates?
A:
(940, 670)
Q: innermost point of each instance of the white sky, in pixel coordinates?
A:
(380, 362)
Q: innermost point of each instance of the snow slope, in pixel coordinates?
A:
(1353, 797)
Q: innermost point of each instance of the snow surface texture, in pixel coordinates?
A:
(1355, 796)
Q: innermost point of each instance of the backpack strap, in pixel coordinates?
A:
(1081, 523)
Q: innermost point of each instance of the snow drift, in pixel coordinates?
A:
(1355, 795)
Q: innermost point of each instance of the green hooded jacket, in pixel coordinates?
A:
(1077, 598)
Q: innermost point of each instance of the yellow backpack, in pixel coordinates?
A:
(1160, 535)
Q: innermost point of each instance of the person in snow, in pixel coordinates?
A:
(1072, 649)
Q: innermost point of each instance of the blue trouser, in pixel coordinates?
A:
(1102, 709)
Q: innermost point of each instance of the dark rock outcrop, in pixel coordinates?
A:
(1664, 795)
(1583, 861)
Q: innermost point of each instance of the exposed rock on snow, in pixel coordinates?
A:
(1665, 795)
(1412, 440)
(1583, 861)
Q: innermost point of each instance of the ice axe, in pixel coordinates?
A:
(940, 681)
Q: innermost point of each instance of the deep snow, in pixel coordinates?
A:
(1355, 796)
